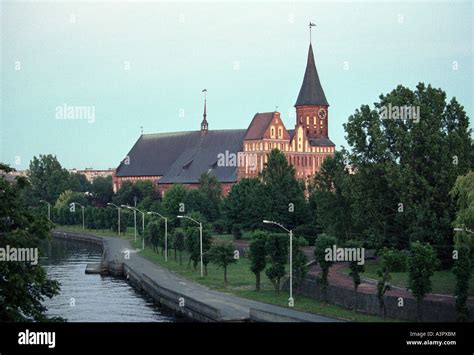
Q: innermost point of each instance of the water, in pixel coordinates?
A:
(97, 298)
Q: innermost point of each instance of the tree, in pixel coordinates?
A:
(47, 179)
(78, 182)
(152, 234)
(300, 267)
(246, 204)
(355, 269)
(383, 284)
(405, 168)
(331, 197)
(276, 248)
(193, 245)
(142, 190)
(462, 269)
(288, 203)
(23, 285)
(257, 255)
(178, 243)
(102, 191)
(222, 254)
(463, 196)
(174, 203)
(67, 197)
(323, 243)
(211, 191)
(421, 266)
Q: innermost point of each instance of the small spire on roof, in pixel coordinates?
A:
(204, 124)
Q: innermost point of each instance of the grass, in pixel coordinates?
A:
(241, 281)
(443, 282)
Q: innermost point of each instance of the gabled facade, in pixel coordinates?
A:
(181, 157)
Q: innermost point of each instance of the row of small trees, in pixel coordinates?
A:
(421, 263)
(269, 253)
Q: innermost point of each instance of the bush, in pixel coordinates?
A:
(395, 260)
(237, 231)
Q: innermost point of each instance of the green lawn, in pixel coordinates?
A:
(442, 281)
(241, 282)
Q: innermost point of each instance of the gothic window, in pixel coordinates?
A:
(272, 132)
(280, 133)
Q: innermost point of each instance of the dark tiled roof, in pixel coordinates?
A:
(315, 142)
(321, 142)
(183, 156)
(311, 92)
(259, 125)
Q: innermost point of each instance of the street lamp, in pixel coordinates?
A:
(166, 232)
(83, 224)
(134, 209)
(49, 208)
(118, 209)
(290, 232)
(200, 236)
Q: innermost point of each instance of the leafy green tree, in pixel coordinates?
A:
(211, 191)
(463, 195)
(288, 203)
(355, 269)
(383, 285)
(68, 196)
(462, 269)
(405, 168)
(102, 191)
(193, 245)
(142, 190)
(300, 267)
(221, 253)
(47, 179)
(331, 197)
(323, 243)
(246, 204)
(78, 182)
(422, 263)
(152, 234)
(173, 200)
(23, 286)
(179, 243)
(257, 255)
(276, 248)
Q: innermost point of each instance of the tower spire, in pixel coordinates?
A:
(204, 124)
(310, 25)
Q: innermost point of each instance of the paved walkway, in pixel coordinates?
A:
(231, 308)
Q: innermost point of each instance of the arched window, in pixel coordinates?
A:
(280, 133)
(272, 132)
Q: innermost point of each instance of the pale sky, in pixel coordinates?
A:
(146, 63)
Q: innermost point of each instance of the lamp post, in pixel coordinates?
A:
(134, 209)
(49, 208)
(118, 209)
(166, 232)
(82, 206)
(290, 232)
(200, 237)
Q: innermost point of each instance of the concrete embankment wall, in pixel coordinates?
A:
(433, 311)
(114, 264)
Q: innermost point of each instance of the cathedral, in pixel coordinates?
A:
(229, 155)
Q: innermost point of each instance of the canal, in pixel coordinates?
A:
(92, 298)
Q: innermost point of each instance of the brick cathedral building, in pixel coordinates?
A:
(229, 155)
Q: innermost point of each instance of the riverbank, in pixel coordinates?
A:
(181, 295)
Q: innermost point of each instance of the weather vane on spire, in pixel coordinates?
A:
(311, 25)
